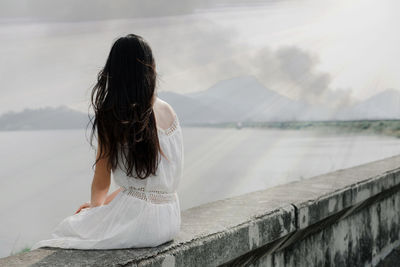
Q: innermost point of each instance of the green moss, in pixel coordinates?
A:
(26, 249)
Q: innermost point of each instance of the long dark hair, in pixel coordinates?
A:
(122, 100)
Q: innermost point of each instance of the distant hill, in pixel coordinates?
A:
(238, 99)
(384, 105)
(245, 99)
(190, 110)
(44, 118)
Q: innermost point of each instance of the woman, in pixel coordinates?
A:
(140, 143)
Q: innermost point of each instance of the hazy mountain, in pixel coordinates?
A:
(232, 100)
(384, 105)
(44, 118)
(244, 98)
(190, 110)
(236, 99)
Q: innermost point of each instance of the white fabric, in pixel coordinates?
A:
(145, 213)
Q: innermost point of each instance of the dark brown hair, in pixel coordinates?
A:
(122, 101)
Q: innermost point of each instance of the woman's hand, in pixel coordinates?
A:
(83, 206)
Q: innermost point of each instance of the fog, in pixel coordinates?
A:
(305, 50)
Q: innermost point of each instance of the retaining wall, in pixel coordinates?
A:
(348, 217)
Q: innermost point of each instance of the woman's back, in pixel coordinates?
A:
(169, 170)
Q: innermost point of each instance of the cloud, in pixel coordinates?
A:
(207, 53)
(193, 56)
(78, 10)
(192, 53)
(294, 71)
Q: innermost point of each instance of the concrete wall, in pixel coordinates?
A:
(345, 218)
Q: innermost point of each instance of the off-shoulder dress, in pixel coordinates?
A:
(144, 213)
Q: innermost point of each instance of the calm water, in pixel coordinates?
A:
(46, 175)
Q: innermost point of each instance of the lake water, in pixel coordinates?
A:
(46, 175)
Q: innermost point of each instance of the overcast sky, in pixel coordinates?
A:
(319, 51)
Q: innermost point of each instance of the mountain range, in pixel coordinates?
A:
(246, 99)
(238, 99)
(44, 118)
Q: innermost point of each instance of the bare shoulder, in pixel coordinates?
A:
(164, 106)
(165, 114)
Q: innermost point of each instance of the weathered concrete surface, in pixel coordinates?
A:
(210, 234)
(362, 238)
(393, 259)
(348, 217)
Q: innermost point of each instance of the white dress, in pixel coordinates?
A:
(145, 213)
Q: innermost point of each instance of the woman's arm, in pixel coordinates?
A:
(101, 181)
(111, 196)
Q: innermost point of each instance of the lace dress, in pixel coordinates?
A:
(145, 213)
